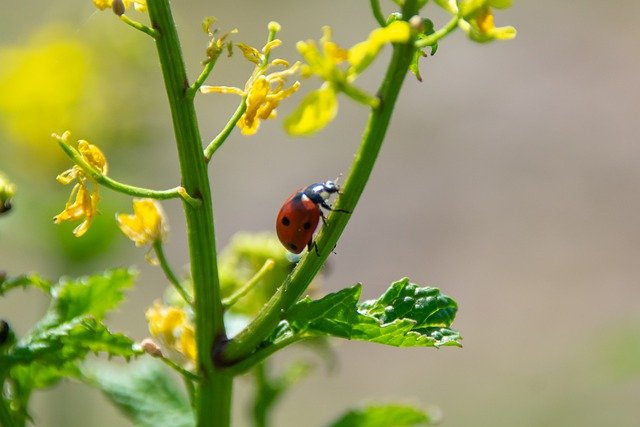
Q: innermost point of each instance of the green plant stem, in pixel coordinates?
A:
(233, 298)
(139, 26)
(6, 420)
(260, 355)
(264, 397)
(377, 13)
(213, 397)
(187, 375)
(359, 95)
(171, 276)
(226, 131)
(193, 89)
(245, 343)
(114, 185)
(431, 39)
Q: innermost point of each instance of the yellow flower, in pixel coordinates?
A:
(174, 330)
(326, 61)
(82, 203)
(481, 28)
(139, 5)
(146, 225)
(262, 92)
(84, 206)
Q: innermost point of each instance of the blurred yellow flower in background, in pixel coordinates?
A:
(43, 84)
(173, 328)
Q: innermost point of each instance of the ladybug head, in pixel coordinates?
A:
(331, 187)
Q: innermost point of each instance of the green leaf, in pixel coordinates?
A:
(406, 315)
(67, 343)
(93, 295)
(395, 415)
(23, 281)
(144, 392)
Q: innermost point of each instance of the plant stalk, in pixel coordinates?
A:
(213, 404)
(246, 342)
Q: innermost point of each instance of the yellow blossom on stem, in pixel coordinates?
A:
(338, 67)
(147, 223)
(263, 92)
(480, 27)
(139, 5)
(82, 203)
(173, 328)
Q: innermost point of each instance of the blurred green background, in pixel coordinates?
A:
(509, 179)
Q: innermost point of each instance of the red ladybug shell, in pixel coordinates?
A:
(296, 222)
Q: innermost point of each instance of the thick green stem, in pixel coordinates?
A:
(213, 403)
(249, 339)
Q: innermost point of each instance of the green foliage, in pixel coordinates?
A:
(144, 392)
(24, 281)
(71, 329)
(383, 416)
(94, 295)
(406, 315)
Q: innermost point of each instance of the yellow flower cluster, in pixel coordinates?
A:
(174, 329)
(326, 61)
(82, 203)
(263, 92)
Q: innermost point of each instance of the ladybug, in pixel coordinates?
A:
(299, 216)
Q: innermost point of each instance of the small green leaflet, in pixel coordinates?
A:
(406, 315)
(395, 415)
(23, 281)
(94, 295)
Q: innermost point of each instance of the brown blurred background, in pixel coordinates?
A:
(509, 179)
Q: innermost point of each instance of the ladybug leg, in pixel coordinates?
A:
(324, 218)
(329, 208)
(313, 245)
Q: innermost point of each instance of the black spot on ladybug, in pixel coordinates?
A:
(293, 247)
(306, 225)
(285, 221)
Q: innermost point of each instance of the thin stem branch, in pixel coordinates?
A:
(226, 131)
(431, 39)
(360, 95)
(114, 185)
(139, 26)
(171, 276)
(377, 12)
(186, 374)
(193, 89)
(233, 298)
(246, 342)
(261, 354)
